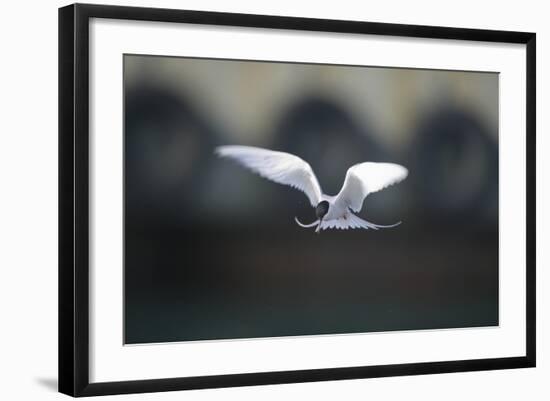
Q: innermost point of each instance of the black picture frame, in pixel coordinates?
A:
(74, 198)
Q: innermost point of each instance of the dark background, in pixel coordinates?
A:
(212, 251)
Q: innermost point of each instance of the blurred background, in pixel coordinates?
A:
(212, 250)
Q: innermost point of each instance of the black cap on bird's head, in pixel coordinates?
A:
(322, 209)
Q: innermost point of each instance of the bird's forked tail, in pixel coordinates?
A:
(351, 221)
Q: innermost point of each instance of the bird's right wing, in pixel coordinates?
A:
(365, 178)
(280, 167)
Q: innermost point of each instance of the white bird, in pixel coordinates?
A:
(332, 211)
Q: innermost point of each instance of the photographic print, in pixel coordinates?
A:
(272, 199)
(257, 199)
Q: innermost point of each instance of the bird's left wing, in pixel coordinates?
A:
(280, 167)
(365, 178)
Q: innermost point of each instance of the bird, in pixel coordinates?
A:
(332, 212)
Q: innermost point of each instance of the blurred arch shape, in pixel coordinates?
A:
(167, 151)
(321, 131)
(456, 164)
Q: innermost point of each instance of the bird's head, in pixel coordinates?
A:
(322, 209)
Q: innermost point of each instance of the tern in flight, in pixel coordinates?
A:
(332, 211)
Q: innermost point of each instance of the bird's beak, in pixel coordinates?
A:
(318, 229)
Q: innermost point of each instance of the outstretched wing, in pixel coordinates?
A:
(279, 167)
(365, 178)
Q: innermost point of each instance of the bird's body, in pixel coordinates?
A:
(332, 211)
(336, 210)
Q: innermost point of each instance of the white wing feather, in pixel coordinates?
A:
(280, 167)
(365, 178)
